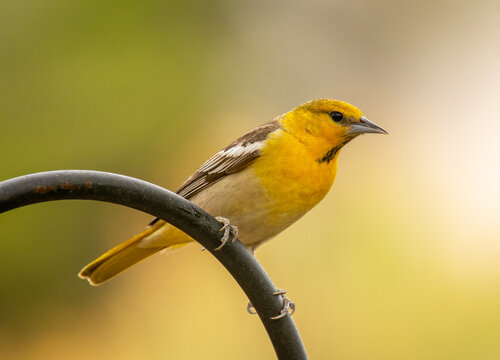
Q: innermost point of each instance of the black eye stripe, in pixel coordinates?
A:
(336, 116)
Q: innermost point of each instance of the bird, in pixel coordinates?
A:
(258, 185)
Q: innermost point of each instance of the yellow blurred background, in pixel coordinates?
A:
(400, 261)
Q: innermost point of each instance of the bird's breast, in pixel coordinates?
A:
(292, 177)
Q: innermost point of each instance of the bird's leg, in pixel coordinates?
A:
(288, 305)
(228, 229)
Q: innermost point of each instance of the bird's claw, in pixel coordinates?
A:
(228, 230)
(251, 309)
(288, 306)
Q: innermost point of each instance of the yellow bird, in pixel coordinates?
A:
(263, 182)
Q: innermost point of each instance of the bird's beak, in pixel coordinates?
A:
(366, 126)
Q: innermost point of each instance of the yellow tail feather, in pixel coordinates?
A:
(125, 255)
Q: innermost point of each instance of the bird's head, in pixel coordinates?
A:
(327, 125)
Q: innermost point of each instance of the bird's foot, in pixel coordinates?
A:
(228, 230)
(251, 309)
(288, 306)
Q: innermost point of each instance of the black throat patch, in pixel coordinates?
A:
(333, 151)
(330, 155)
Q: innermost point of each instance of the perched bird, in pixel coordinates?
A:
(261, 183)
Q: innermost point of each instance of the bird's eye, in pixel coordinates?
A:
(336, 116)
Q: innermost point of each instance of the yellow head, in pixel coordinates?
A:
(326, 125)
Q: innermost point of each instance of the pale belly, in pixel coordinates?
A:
(241, 198)
(262, 209)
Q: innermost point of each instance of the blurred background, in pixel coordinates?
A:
(399, 261)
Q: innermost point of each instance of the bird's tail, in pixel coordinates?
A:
(158, 237)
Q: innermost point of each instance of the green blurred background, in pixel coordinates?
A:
(401, 259)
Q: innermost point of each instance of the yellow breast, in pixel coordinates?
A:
(292, 177)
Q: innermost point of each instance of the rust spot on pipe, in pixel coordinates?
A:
(67, 186)
(88, 184)
(42, 189)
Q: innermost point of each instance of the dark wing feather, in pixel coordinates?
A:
(222, 165)
(235, 157)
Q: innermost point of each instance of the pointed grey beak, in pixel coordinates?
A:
(366, 126)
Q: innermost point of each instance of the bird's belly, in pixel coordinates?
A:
(261, 209)
(241, 198)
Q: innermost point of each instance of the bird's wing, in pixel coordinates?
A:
(235, 157)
